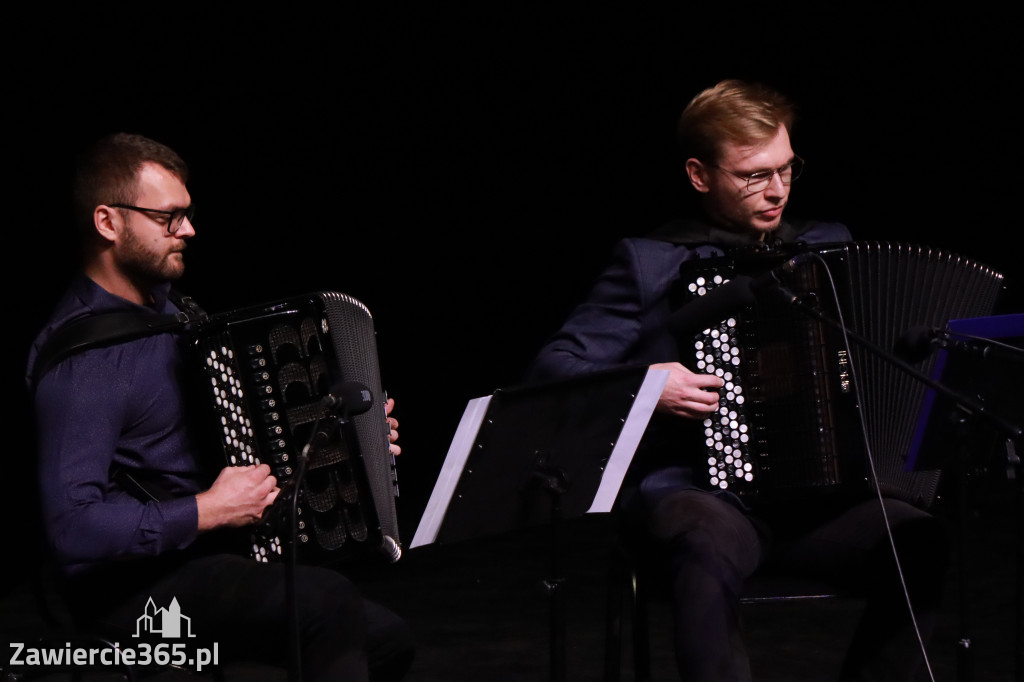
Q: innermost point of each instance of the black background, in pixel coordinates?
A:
(465, 171)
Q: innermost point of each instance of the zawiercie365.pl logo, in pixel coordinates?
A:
(168, 623)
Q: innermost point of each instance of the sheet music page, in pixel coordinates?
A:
(454, 462)
(629, 439)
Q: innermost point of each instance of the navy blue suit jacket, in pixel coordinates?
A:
(624, 320)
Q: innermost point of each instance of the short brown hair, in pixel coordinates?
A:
(108, 172)
(731, 111)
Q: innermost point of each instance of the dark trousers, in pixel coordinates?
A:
(713, 547)
(241, 605)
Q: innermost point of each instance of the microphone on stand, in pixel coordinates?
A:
(712, 307)
(729, 298)
(771, 281)
(920, 341)
(345, 399)
(349, 398)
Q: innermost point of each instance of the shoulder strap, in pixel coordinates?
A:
(189, 308)
(105, 329)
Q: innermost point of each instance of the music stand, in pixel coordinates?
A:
(535, 455)
(976, 360)
(973, 412)
(992, 373)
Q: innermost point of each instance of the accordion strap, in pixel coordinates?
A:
(106, 329)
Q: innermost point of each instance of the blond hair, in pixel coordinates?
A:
(731, 111)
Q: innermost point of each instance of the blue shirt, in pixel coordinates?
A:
(120, 406)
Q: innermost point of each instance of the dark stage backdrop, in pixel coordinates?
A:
(465, 172)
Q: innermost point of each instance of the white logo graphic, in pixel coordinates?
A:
(165, 622)
(169, 623)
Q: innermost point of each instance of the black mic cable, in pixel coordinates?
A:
(871, 458)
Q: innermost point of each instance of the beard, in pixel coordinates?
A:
(143, 263)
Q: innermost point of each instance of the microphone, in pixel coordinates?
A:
(738, 293)
(772, 280)
(918, 342)
(349, 397)
(712, 307)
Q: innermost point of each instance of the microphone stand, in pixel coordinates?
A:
(964, 401)
(318, 437)
(554, 481)
(295, 640)
(972, 411)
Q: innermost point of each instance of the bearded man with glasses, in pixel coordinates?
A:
(133, 519)
(738, 155)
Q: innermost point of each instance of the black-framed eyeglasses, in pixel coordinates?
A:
(175, 218)
(759, 181)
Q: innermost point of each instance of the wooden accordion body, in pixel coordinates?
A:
(803, 406)
(267, 371)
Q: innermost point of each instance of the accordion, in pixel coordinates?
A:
(270, 374)
(803, 407)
